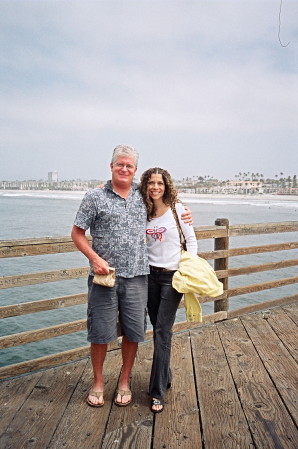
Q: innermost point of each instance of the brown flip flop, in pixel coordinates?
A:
(97, 394)
(123, 393)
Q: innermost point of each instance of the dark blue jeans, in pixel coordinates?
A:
(163, 301)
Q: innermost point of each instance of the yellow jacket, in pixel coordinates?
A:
(195, 275)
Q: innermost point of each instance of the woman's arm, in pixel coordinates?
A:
(188, 231)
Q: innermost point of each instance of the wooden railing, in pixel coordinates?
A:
(221, 233)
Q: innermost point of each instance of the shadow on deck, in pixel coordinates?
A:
(235, 386)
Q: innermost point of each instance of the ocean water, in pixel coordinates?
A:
(40, 214)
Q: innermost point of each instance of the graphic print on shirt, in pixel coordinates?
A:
(156, 233)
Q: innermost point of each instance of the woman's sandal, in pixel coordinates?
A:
(155, 402)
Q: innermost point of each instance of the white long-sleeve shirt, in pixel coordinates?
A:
(163, 242)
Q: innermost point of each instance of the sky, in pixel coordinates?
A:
(201, 88)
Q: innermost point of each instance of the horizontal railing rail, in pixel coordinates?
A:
(221, 233)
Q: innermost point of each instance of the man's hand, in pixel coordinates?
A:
(100, 266)
(187, 216)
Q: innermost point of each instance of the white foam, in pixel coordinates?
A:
(232, 201)
(67, 195)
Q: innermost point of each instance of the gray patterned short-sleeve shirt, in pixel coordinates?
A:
(117, 227)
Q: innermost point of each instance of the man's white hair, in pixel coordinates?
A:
(125, 150)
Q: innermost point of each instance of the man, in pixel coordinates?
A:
(116, 216)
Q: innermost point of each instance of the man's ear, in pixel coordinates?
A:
(111, 165)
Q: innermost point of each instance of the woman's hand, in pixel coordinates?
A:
(187, 216)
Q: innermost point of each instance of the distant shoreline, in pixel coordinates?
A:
(182, 196)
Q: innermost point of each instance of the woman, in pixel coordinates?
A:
(164, 251)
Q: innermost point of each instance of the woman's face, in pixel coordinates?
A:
(156, 186)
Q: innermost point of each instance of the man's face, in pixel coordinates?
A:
(123, 171)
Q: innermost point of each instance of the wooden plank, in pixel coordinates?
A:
(208, 255)
(36, 250)
(286, 330)
(223, 421)
(259, 249)
(38, 246)
(131, 427)
(13, 394)
(222, 265)
(9, 249)
(262, 286)
(179, 424)
(281, 368)
(36, 421)
(292, 311)
(269, 421)
(50, 245)
(22, 338)
(35, 241)
(42, 278)
(134, 435)
(210, 232)
(240, 271)
(42, 305)
(262, 305)
(263, 228)
(83, 426)
(43, 362)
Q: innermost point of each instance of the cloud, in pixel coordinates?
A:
(191, 71)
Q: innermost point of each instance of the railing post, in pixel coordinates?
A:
(222, 243)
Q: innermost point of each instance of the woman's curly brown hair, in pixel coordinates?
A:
(170, 196)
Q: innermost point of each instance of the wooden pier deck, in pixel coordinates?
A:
(235, 386)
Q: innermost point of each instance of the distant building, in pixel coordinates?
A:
(244, 187)
(52, 176)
